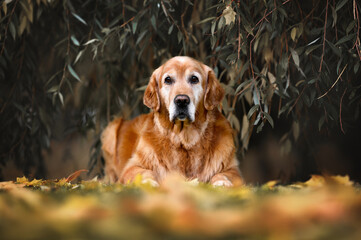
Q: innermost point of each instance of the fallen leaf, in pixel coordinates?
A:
(75, 175)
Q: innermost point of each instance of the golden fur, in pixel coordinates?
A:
(155, 145)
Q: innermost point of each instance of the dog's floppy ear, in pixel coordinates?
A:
(214, 91)
(151, 95)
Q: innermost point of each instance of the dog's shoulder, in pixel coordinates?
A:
(120, 128)
(223, 132)
(221, 124)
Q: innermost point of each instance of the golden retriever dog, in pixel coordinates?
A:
(185, 133)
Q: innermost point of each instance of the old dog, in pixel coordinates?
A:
(184, 133)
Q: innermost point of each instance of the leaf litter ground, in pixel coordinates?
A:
(323, 207)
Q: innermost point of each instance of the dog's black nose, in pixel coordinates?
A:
(181, 100)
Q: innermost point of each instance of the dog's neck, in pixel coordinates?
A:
(184, 134)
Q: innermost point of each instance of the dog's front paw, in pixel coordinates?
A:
(150, 181)
(222, 183)
(220, 180)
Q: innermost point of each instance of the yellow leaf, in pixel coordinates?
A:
(229, 15)
(30, 12)
(316, 181)
(35, 182)
(22, 180)
(319, 181)
(23, 24)
(271, 77)
(245, 126)
(270, 184)
(268, 55)
(138, 180)
(294, 33)
(5, 8)
(62, 182)
(342, 180)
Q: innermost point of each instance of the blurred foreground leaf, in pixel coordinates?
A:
(327, 207)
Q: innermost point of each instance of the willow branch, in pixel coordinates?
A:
(324, 38)
(339, 76)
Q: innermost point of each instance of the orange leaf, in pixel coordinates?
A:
(75, 175)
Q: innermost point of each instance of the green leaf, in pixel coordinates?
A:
(244, 69)
(206, 20)
(242, 85)
(350, 26)
(259, 128)
(340, 4)
(234, 122)
(356, 67)
(252, 111)
(221, 23)
(334, 15)
(73, 73)
(142, 88)
(74, 40)
(134, 26)
(284, 62)
(213, 41)
(179, 36)
(321, 122)
(61, 98)
(12, 30)
(335, 49)
(313, 41)
(248, 29)
(53, 89)
(91, 41)
(153, 22)
(141, 36)
(232, 57)
(312, 48)
(295, 57)
(170, 29)
(269, 119)
(345, 39)
(131, 8)
(79, 18)
(213, 27)
(189, 2)
(78, 56)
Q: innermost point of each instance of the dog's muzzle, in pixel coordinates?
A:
(182, 102)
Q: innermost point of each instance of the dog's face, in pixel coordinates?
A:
(180, 85)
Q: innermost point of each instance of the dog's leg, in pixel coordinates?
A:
(228, 178)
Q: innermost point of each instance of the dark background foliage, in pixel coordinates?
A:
(290, 69)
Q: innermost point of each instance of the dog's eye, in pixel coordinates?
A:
(168, 80)
(194, 80)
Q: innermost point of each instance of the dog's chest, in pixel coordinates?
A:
(187, 162)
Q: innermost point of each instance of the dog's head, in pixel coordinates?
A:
(181, 86)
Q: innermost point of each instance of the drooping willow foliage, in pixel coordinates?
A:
(81, 62)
